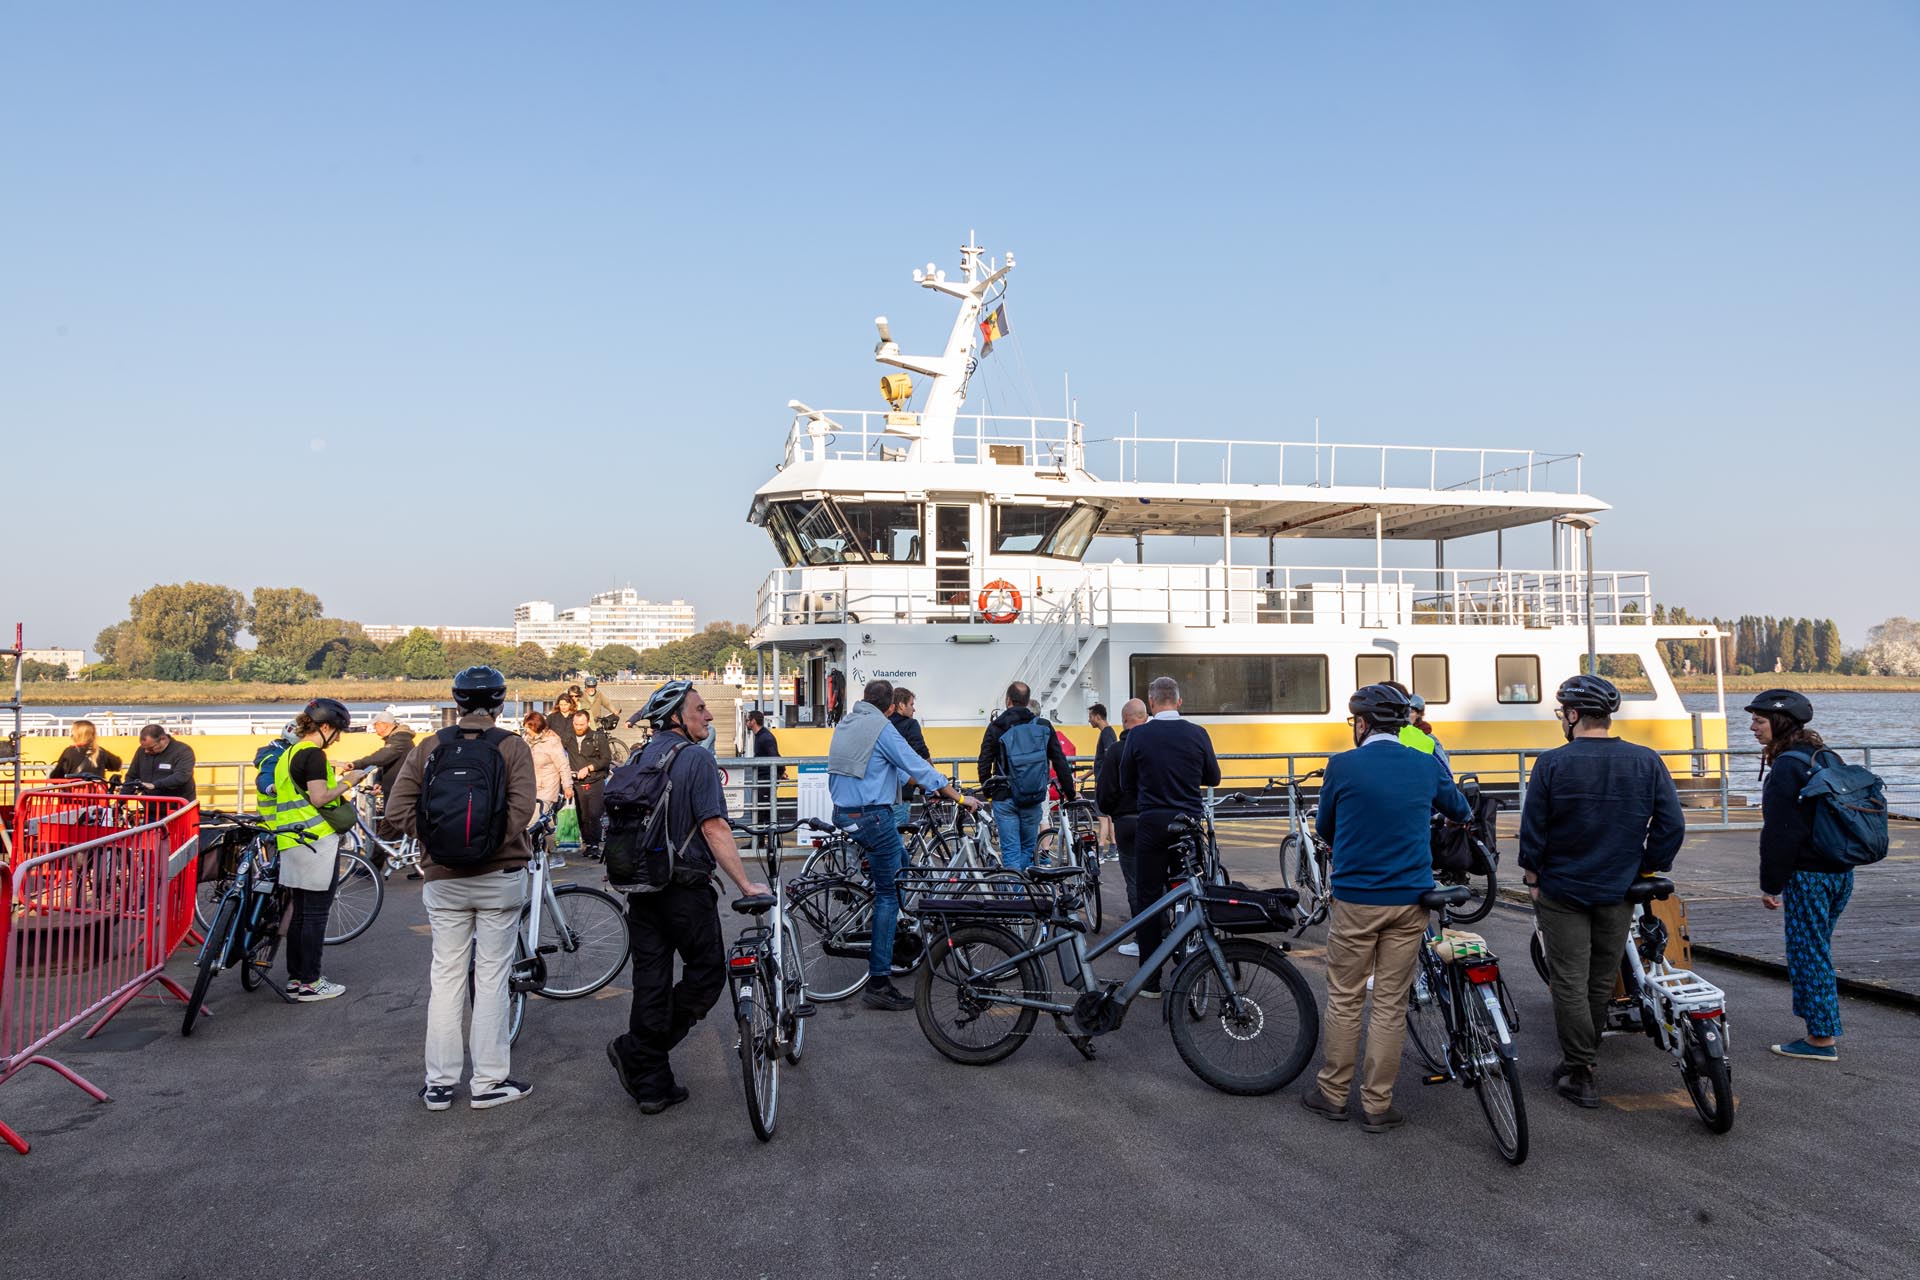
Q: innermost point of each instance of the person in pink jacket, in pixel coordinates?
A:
(552, 775)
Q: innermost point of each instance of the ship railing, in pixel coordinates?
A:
(1175, 460)
(1213, 595)
(858, 435)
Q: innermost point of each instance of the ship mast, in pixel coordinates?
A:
(931, 436)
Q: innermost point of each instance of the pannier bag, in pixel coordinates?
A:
(1239, 908)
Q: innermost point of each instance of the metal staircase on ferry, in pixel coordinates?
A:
(1067, 642)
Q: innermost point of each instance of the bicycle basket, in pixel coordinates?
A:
(1239, 908)
(219, 853)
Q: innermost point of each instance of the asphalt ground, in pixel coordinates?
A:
(287, 1140)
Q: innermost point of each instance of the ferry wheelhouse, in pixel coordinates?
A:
(950, 553)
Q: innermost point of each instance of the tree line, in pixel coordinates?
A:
(191, 631)
(1759, 644)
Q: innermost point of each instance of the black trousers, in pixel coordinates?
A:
(1153, 866)
(590, 799)
(307, 933)
(1125, 828)
(683, 921)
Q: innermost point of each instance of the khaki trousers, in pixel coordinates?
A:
(1362, 940)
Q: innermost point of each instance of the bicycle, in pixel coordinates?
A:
(1076, 843)
(1678, 1010)
(1459, 1019)
(248, 921)
(401, 855)
(358, 892)
(766, 973)
(1306, 861)
(979, 992)
(1481, 849)
(587, 928)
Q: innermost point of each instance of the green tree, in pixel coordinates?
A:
(1788, 651)
(278, 617)
(1826, 643)
(270, 669)
(33, 669)
(531, 662)
(172, 664)
(103, 671)
(697, 654)
(462, 654)
(198, 619)
(367, 662)
(335, 658)
(569, 658)
(418, 655)
(1804, 656)
(612, 659)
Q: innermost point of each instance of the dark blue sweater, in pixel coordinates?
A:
(1599, 813)
(1376, 806)
(1164, 764)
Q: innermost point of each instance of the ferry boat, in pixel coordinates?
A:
(949, 553)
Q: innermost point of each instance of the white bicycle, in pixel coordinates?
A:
(402, 854)
(1678, 1009)
(575, 944)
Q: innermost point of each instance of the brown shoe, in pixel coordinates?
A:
(1382, 1121)
(1316, 1102)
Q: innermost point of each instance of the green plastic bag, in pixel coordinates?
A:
(567, 830)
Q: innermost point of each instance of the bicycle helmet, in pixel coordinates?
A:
(1782, 702)
(479, 689)
(1382, 706)
(665, 703)
(330, 711)
(1589, 695)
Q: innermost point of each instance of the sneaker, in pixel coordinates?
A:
(1128, 948)
(671, 1098)
(1579, 1087)
(1808, 1052)
(1151, 993)
(1316, 1102)
(414, 874)
(1380, 1122)
(880, 993)
(438, 1097)
(627, 1081)
(308, 992)
(555, 862)
(500, 1095)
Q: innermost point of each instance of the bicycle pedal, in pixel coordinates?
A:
(803, 1011)
(550, 948)
(1436, 1080)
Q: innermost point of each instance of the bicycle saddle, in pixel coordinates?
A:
(1048, 875)
(1648, 889)
(1077, 803)
(1452, 896)
(912, 828)
(754, 904)
(1182, 826)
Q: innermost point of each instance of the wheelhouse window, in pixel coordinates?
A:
(1250, 684)
(1061, 532)
(889, 532)
(1431, 679)
(822, 531)
(1070, 538)
(1372, 668)
(1516, 677)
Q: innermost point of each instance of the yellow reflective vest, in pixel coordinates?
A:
(1412, 737)
(293, 809)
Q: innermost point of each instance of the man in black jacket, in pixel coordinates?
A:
(396, 744)
(163, 766)
(592, 760)
(1119, 807)
(902, 718)
(1018, 820)
(1165, 765)
(1600, 812)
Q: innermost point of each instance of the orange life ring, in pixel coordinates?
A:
(1000, 586)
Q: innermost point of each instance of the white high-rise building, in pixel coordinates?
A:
(619, 616)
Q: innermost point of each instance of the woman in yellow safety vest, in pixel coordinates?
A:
(308, 815)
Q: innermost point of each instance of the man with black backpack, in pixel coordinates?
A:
(468, 793)
(667, 834)
(1016, 753)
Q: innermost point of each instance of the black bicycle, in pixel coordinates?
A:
(1241, 1016)
(249, 919)
(1468, 853)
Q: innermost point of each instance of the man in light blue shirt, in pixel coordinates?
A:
(867, 761)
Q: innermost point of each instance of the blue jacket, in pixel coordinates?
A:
(1376, 806)
(1599, 813)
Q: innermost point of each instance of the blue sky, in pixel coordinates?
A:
(290, 288)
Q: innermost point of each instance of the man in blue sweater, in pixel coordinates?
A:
(1165, 765)
(1376, 807)
(1600, 812)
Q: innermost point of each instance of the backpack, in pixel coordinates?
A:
(1023, 760)
(463, 798)
(1849, 811)
(638, 850)
(265, 761)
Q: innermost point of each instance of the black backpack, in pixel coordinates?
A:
(463, 797)
(639, 851)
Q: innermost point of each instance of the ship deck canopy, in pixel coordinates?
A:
(1304, 511)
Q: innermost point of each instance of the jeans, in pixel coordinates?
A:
(683, 920)
(1584, 948)
(1383, 942)
(477, 916)
(1813, 902)
(873, 829)
(1019, 828)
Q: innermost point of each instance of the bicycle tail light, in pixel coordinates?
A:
(1483, 972)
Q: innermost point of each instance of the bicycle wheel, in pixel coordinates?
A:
(257, 964)
(1096, 909)
(358, 891)
(1496, 1078)
(1266, 1044)
(1298, 872)
(794, 976)
(617, 752)
(590, 932)
(1483, 889)
(206, 902)
(834, 919)
(1709, 1078)
(1427, 1003)
(956, 1007)
(219, 939)
(1537, 948)
(759, 1063)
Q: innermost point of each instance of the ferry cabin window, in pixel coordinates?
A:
(1070, 538)
(950, 528)
(889, 532)
(1372, 668)
(1062, 532)
(1516, 677)
(1628, 673)
(1431, 678)
(1238, 684)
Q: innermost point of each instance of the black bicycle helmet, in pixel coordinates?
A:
(1382, 706)
(1589, 695)
(1790, 703)
(330, 711)
(479, 689)
(665, 703)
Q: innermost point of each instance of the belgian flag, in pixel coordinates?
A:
(993, 328)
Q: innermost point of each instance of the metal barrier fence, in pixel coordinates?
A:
(88, 917)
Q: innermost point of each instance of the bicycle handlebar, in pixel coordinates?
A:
(784, 828)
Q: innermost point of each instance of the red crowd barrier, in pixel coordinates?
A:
(98, 896)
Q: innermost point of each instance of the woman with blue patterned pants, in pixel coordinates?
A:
(1794, 874)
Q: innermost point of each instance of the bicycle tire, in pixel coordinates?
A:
(218, 942)
(1709, 1078)
(1196, 1001)
(831, 913)
(1537, 949)
(617, 752)
(1480, 905)
(945, 1002)
(206, 902)
(759, 1066)
(593, 946)
(516, 1000)
(795, 979)
(257, 963)
(349, 914)
(1496, 1080)
(1427, 1018)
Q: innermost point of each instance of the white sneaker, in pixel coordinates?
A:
(1128, 948)
(324, 989)
(501, 1094)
